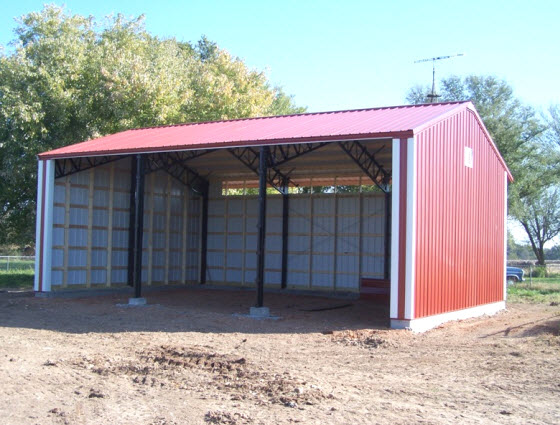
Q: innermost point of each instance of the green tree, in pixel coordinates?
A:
(517, 251)
(552, 120)
(540, 217)
(284, 104)
(69, 78)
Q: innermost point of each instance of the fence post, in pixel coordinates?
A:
(8, 265)
(530, 275)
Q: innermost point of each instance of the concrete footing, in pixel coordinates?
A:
(137, 301)
(425, 323)
(259, 312)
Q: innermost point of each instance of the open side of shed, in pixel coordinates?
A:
(341, 201)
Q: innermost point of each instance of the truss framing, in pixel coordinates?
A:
(367, 163)
(280, 154)
(67, 166)
(274, 177)
(174, 163)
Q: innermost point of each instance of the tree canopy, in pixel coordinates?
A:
(70, 78)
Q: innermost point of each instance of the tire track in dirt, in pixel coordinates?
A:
(174, 366)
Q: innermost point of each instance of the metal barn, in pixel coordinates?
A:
(406, 201)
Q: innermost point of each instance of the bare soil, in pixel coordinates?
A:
(191, 357)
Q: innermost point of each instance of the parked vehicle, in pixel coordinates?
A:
(514, 274)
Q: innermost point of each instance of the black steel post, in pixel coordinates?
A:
(285, 217)
(387, 262)
(261, 226)
(136, 224)
(139, 225)
(131, 223)
(204, 236)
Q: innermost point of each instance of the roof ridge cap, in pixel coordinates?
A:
(186, 124)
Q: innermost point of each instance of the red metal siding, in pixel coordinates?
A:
(460, 218)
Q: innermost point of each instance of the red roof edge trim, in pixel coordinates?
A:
(473, 111)
(222, 145)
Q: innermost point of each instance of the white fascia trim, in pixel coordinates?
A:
(38, 235)
(410, 228)
(395, 192)
(505, 231)
(430, 322)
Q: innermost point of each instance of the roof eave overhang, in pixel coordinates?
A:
(223, 145)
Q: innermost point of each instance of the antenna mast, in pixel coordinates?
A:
(433, 96)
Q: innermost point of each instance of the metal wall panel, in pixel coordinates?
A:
(460, 218)
(326, 249)
(90, 235)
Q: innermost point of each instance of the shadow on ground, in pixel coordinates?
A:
(191, 310)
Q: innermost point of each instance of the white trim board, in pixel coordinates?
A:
(505, 232)
(38, 228)
(395, 192)
(410, 268)
(44, 228)
(426, 323)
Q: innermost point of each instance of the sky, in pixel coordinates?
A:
(333, 55)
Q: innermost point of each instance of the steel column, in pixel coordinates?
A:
(285, 217)
(387, 244)
(204, 237)
(261, 226)
(136, 224)
(131, 222)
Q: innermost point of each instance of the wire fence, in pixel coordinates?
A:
(16, 262)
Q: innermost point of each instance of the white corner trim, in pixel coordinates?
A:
(410, 228)
(505, 231)
(44, 230)
(395, 192)
(430, 322)
(38, 235)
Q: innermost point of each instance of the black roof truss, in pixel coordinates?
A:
(67, 166)
(367, 163)
(174, 163)
(250, 157)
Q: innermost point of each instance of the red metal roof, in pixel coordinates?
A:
(396, 121)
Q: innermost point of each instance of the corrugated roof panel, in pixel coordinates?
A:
(381, 122)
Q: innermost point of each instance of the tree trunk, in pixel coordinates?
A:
(536, 245)
(539, 252)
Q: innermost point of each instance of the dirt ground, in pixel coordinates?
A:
(191, 357)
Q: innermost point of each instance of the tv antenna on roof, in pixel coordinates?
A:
(433, 96)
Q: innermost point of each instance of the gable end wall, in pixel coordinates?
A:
(460, 218)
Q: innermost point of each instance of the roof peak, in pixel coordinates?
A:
(303, 114)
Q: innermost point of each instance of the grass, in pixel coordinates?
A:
(17, 274)
(17, 279)
(19, 264)
(540, 291)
